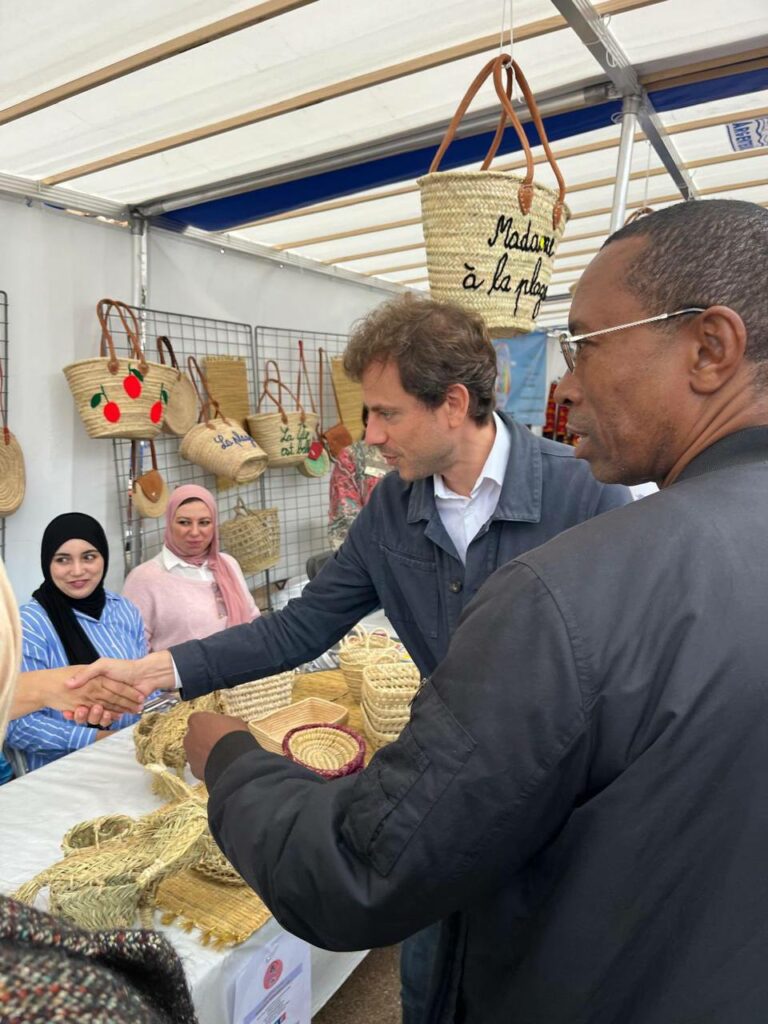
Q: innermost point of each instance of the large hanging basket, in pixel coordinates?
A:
(286, 436)
(13, 480)
(252, 537)
(218, 444)
(118, 397)
(491, 237)
(181, 411)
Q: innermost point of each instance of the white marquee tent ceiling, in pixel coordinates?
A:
(308, 118)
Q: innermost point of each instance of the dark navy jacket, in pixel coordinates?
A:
(398, 556)
(581, 793)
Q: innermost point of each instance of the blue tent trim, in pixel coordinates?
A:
(229, 212)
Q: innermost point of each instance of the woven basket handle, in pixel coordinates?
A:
(206, 399)
(241, 509)
(164, 340)
(103, 308)
(533, 108)
(3, 411)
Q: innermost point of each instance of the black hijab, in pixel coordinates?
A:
(61, 608)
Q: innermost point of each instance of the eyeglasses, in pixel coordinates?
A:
(569, 342)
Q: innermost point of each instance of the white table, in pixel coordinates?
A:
(105, 778)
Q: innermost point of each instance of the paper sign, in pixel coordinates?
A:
(521, 379)
(752, 134)
(275, 986)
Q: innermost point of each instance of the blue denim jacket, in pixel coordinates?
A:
(398, 556)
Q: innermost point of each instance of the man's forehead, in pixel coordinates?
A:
(602, 287)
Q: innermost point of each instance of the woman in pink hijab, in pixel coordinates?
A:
(190, 589)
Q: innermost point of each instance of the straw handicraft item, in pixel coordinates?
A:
(13, 480)
(363, 648)
(332, 751)
(120, 397)
(285, 436)
(252, 700)
(491, 237)
(349, 398)
(228, 379)
(218, 444)
(317, 462)
(388, 691)
(181, 410)
(159, 735)
(105, 885)
(336, 437)
(252, 537)
(149, 493)
(271, 729)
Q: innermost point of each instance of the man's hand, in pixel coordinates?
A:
(154, 672)
(204, 730)
(115, 697)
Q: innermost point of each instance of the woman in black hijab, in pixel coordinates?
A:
(72, 620)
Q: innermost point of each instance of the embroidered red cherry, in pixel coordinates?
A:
(110, 410)
(132, 383)
(156, 412)
(315, 450)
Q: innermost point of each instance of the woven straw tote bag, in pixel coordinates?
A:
(285, 436)
(118, 397)
(491, 237)
(149, 493)
(218, 444)
(317, 462)
(252, 537)
(13, 479)
(181, 410)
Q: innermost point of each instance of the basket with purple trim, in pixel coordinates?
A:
(332, 751)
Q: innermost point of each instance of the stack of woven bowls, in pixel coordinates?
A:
(388, 691)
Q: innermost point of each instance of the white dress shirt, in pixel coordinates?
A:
(172, 563)
(463, 516)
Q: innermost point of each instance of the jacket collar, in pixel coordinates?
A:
(737, 449)
(520, 498)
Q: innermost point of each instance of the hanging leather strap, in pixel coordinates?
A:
(208, 403)
(131, 326)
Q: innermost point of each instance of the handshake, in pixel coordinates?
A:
(101, 692)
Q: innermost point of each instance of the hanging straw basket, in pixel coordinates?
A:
(13, 479)
(252, 537)
(491, 237)
(360, 649)
(120, 397)
(254, 700)
(227, 378)
(316, 462)
(332, 751)
(219, 445)
(181, 410)
(285, 436)
(149, 493)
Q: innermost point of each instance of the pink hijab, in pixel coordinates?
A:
(227, 578)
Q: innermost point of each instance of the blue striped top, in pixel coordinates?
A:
(46, 735)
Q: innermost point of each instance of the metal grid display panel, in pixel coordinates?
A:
(190, 336)
(302, 501)
(4, 367)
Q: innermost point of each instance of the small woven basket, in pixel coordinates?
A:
(491, 237)
(285, 436)
(13, 480)
(252, 537)
(181, 411)
(378, 737)
(220, 445)
(332, 751)
(388, 691)
(362, 648)
(120, 397)
(97, 832)
(253, 700)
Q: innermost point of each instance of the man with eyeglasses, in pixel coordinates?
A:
(580, 795)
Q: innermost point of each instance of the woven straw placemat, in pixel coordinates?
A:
(223, 914)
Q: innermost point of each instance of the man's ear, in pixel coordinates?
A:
(456, 404)
(721, 343)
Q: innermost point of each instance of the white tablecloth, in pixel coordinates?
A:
(36, 811)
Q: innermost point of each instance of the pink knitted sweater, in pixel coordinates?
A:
(176, 609)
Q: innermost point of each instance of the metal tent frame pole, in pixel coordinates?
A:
(629, 111)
